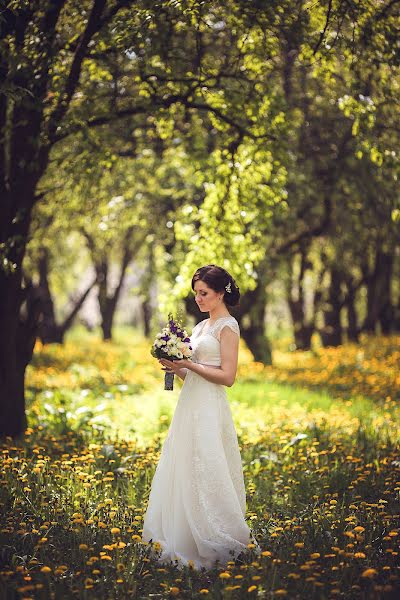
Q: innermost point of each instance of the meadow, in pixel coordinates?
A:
(318, 433)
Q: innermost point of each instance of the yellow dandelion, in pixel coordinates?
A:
(359, 555)
(204, 591)
(266, 553)
(315, 555)
(359, 529)
(299, 545)
(115, 530)
(224, 575)
(174, 591)
(280, 592)
(349, 534)
(369, 573)
(83, 547)
(252, 588)
(45, 570)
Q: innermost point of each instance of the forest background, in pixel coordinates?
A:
(141, 139)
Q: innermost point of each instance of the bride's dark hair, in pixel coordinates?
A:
(218, 279)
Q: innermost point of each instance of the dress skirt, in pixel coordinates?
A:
(197, 503)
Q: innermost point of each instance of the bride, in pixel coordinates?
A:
(197, 504)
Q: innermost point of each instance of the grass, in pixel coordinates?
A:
(319, 441)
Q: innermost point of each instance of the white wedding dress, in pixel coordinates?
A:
(197, 503)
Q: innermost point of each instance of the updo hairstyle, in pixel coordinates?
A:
(217, 279)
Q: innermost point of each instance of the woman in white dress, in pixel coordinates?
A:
(197, 503)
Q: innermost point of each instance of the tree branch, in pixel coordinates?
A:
(321, 37)
(317, 230)
(75, 309)
(93, 25)
(166, 103)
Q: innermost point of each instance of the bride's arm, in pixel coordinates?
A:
(223, 375)
(181, 372)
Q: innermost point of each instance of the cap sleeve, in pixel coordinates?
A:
(231, 323)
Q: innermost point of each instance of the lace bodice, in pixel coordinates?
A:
(205, 340)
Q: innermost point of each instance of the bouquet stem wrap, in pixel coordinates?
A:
(169, 380)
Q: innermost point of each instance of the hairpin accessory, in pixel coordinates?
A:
(228, 288)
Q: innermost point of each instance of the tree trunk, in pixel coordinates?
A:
(371, 318)
(256, 340)
(352, 328)
(386, 311)
(27, 138)
(331, 333)
(30, 316)
(12, 401)
(107, 318)
(106, 304)
(251, 316)
(379, 305)
(147, 280)
(302, 335)
(19, 330)
(51, 332)
(147, 314)
(108, 301)
(396, 317)
(302, 330)
(12, 351)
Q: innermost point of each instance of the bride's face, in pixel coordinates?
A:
(206, 298)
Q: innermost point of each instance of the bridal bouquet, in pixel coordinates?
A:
(172, 343)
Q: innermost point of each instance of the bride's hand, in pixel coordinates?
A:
(173, 366)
